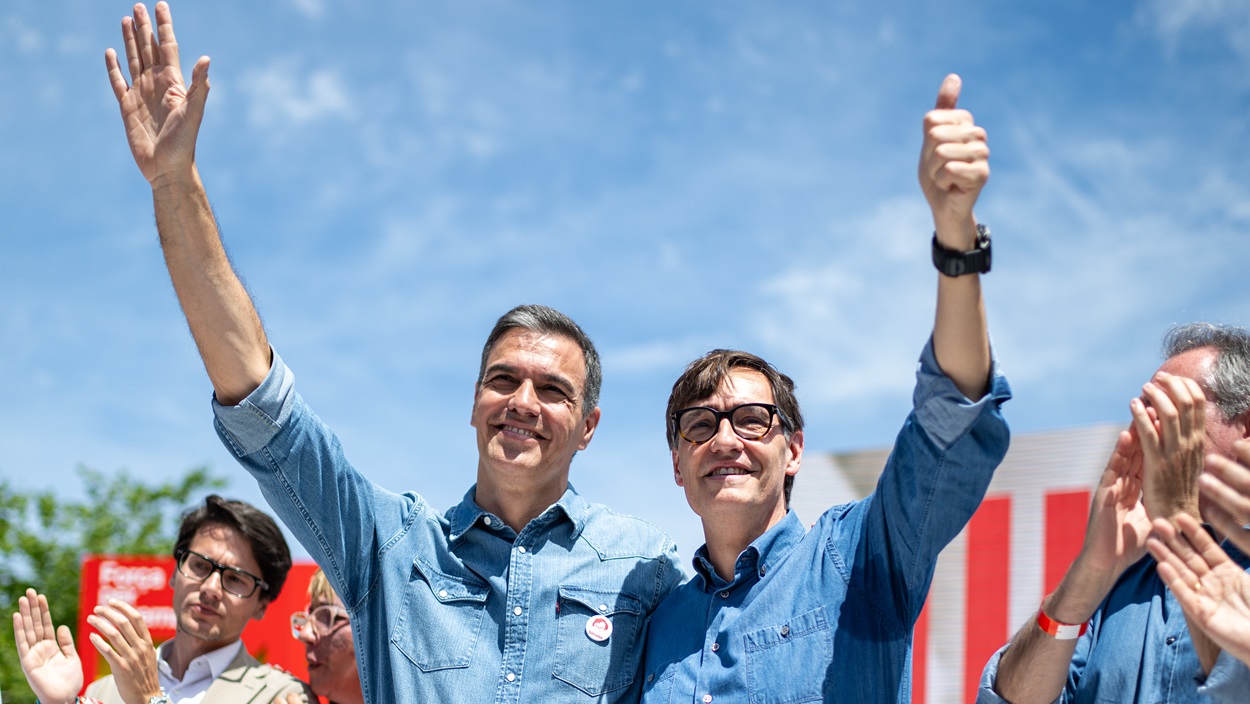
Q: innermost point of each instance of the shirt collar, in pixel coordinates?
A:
(760, 557)
(468, 514)
(218, 661)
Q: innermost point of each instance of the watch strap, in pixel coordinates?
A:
(955, 263)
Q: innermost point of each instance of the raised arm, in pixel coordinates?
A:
(954, 166)
(1035, 666)
(162, 120)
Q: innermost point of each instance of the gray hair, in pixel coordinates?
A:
(549, 321)
(1229, 377)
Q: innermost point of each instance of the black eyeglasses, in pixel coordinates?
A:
(199, 567)
(750, 421)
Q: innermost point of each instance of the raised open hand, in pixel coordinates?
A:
(124, 641)
(161, 116)
(1118, 525)
(1172, 432)
(46, 654)
(1213, 590)
(954, 163)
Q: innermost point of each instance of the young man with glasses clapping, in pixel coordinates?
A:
(778, 613)
(232, 562)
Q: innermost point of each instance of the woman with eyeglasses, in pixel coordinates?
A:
(326, 631)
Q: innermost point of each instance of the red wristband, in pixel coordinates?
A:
(1060, 631)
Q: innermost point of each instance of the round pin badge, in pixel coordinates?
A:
(598, 628)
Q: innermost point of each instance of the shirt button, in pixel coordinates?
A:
(723, 595)
(517, 611)
(603, 607)
(442, 593)
(511, 677)
(1171, 640)
(486, 520)
(715, 647)
(785, 631)
(651, 677)
(707, 699)
(763, 570)
(520, 549)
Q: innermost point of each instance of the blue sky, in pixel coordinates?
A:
(676, 175)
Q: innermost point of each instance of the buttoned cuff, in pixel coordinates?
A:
(941, 408)
(251, 424)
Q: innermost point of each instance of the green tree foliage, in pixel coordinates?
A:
(44, 536)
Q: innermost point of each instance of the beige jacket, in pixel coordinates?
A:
(245, 681)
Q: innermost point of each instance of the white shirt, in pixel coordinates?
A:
(201, 672)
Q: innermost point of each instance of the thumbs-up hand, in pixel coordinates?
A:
(954, 166)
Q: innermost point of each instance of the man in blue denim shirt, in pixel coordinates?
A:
(777, 613)
(523, 591)
(1112, 631)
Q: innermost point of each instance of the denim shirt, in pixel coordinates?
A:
(827, 614)
(457, 607)
(1137, 649)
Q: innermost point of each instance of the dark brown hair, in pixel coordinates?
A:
(262, 534)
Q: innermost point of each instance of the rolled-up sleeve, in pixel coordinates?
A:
(251, 424)
(941, 408)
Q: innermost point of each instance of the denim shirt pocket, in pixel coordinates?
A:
(597, 666)
(786, 662)
(440, 620)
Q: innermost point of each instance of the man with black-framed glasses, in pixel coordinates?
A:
(777, 613)
(231, 564)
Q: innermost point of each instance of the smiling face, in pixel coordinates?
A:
(528, 413)
(729, 478)
(205, 612)
(332, 671)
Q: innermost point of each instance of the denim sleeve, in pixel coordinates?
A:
(989, 679)
(1228, 681)
(989, 676)
(932, 483)
(341, 518)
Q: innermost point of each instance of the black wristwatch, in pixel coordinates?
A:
(954, 263)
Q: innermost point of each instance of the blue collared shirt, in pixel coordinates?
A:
(457, 607)
(827, 614)
(1137, 649)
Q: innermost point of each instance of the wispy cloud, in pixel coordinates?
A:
(283, 95)
(1174, 20)
(312, 9)
(851, 313)
(26, 39)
